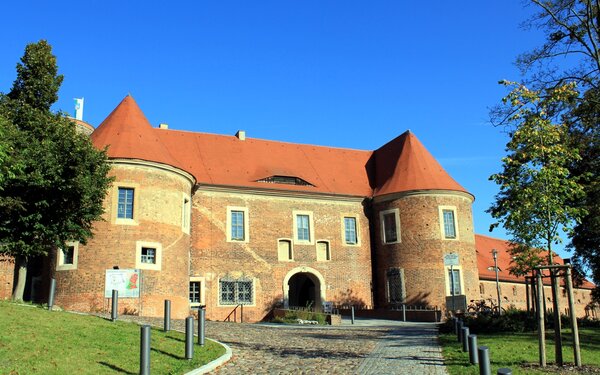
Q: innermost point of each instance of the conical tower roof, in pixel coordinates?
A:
(404, 164)
(129, 135)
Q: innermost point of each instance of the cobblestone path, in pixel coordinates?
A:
(369, 347)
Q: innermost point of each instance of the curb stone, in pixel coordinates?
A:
(215, 363)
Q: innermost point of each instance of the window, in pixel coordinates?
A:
(454, 280)
(449, 228)
(350, 236)
(68, 254)
(66, 257)
(125, 203)
(195, 292)
(390, 226)
(395, 285)
(303, 227)
(148, 255)
(234, 292)
(284, 250)
(323, 253)
(237, 224)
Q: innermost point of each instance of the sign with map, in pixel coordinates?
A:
(126, 281)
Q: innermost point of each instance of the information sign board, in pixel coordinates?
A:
(126, 281)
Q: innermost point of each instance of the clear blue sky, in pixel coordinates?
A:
(351, 74)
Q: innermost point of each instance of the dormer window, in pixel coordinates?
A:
(288, 180)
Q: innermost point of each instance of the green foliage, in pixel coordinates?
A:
(536, 186)
(292, 316)
(61, 179)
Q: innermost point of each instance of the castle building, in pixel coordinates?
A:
(223, 221)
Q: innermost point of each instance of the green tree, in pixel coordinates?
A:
(536, 185)
(571, 53)
(62, 181)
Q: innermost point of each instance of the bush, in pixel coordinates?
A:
(292, 316)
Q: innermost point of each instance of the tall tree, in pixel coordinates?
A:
(536, 186)
(571, 53)
(63, 179)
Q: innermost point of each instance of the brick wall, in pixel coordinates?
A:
(158, 203)
(347, 276)
(514, 295)
(422, 247)
(7, 268)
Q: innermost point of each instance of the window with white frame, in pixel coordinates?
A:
(323, 251)
(196, 291)
(390, 226)
(236, 291)
(303, 227)
(350, 231)
(454, 282)
(148, 255)
(125, 203)
(237, 224)
(448, 222)
(67, 256)
(284, 250)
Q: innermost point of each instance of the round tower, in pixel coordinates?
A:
(420, 215)
(142, 246)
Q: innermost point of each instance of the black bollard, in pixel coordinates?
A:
(465, 341)
(504, 371)
(484, 360)
(189, 337)
(455, 325)
(473, 349)
(115, 305)
(201, 325)
(51, 293)
(352, 314)
(459, 331)
(145, 350)
(167, 322)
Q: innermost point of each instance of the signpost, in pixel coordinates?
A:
(451, 260)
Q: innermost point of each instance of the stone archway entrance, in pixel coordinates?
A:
(304, 287)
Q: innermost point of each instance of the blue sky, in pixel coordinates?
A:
(348, 74)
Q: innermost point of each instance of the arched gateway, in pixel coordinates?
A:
(303, 287)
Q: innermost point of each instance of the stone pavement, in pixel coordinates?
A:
(367, 347)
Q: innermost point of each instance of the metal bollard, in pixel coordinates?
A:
(201, 326)
(51, 293)
(167, 322)
(455, 325)
(459, 331)
(484, 360)
(115, 305)
(145, 350)
(473, 349)
(403, 312)
(352, 314)
(504, 371)
(464, 336)
(189, 337)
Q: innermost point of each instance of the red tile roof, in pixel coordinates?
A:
(485, 261)
(399, 166)
(404, 164)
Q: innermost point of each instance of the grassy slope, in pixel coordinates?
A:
(36, 341)
(513, 349)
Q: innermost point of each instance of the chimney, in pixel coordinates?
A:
(162, 125)
(241, 135)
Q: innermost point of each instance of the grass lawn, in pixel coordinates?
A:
(513, 350)
(36, 341)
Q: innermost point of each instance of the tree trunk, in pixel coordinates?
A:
(21, 271)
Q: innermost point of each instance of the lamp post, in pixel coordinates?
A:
(495, 255)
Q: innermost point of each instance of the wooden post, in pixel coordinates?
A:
(534, 293)
(540, 319)
(574, 328)
(557, 323)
